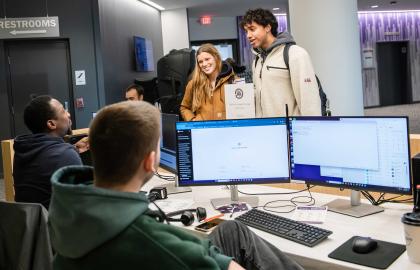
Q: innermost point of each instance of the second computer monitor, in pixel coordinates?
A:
(230, 152)
(360, 153)
(168, 142)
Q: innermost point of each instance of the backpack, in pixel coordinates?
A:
(325, 108)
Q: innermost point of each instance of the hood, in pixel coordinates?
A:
(27, 147)
(225, 73)
(282, 38)
(82, 213)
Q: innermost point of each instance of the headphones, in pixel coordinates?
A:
(187, 216)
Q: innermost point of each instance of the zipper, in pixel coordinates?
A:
(272, 67)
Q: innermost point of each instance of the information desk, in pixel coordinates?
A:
(384, 226)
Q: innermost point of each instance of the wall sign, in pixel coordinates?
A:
(80, 77)
(31, 27)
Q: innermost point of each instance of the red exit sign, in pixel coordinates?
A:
(205, 20)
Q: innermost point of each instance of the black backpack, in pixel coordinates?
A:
(325, 110)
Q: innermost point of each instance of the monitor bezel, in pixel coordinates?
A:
(164, 166)
(213, 183)
(342, 186)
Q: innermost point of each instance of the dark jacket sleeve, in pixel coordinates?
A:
(69, 156)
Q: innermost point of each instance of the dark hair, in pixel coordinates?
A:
(37, 113)
(120, 137)
(139, 89)
(262, 17)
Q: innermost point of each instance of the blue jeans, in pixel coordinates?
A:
(248, 249)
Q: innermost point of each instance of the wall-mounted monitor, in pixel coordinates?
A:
(143, 50)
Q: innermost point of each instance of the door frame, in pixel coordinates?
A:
(9, 78)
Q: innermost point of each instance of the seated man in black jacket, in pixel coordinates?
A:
(40, 154)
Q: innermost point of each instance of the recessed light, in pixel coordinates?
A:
(276, 8)
(153, 4)
(375, 6)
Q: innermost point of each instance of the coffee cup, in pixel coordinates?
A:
(412, 235)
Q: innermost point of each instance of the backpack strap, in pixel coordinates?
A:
(286, 53)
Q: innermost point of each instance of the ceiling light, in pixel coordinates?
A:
(280, 14)
(375, 6)
(276, 8)
(153, 4)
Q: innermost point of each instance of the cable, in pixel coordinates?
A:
(294, 202)
(168, 178)
(276, 193)
(382, 199)
(46, 6)
(4, 8)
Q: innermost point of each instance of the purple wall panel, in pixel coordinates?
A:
(389, 26)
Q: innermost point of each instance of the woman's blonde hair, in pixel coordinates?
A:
(201, 85)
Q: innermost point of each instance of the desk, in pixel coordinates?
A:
(383, 226)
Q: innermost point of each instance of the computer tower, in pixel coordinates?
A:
(415, 162)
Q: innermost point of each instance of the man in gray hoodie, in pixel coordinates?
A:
(276, 84)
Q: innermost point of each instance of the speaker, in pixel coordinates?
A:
(187, 216)
(415, 163)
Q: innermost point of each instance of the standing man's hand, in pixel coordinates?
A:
(82, 145)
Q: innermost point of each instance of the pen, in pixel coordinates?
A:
(213, 217)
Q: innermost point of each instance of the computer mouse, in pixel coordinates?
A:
(364, 245)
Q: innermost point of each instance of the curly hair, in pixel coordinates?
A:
(262, 17)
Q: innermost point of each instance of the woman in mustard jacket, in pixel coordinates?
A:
(204, 97)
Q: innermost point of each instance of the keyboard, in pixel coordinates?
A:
(299, 232)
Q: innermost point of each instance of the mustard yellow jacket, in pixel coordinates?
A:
(211, 108)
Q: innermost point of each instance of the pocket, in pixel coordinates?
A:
(275, 73)
(273, 67)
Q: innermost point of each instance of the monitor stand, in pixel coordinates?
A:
(353, 208)
(174, 188)
(234, 198)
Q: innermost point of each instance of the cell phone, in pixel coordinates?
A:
(209, 225)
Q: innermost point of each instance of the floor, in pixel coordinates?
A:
(411, 110)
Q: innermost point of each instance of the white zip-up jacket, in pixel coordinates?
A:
(275, 86)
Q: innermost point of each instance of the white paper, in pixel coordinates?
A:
(239, 101)
(172, 205)
(310, 214)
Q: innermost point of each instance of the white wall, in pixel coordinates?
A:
(220, 28)
(174, 29)
(329, 31)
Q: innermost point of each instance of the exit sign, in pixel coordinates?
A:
(205, 20)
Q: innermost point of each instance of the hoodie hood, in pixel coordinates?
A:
(82, 213)
(225, 73)
(27, 147)
(282, 38)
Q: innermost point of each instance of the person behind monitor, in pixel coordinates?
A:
(134, 92)
(99, 220)
(204, 97)
(275, 85)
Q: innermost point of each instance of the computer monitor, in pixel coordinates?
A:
(360, 153)
(168, 150)
(231, 152)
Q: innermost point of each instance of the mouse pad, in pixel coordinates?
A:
(382, 257)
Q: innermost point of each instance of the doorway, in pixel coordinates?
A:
(394, 73)
(37, 67)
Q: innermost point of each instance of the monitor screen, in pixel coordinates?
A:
(361, 153)
(225, 50)
(168, 142)
(246, 151)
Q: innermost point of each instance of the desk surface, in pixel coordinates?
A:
(384, 226)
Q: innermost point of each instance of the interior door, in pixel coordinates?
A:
(37, 67)
(393, 73)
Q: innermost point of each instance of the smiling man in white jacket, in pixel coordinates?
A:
(275, 85)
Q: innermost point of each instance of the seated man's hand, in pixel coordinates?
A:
(82, 145)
